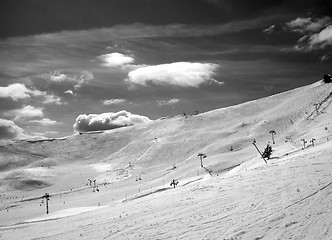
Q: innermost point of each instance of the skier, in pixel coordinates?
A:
(267, 152)
(174, 183)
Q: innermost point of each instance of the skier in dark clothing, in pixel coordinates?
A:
(267, 152)
(174, 183)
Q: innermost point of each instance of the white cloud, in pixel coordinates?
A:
(9, 130)
(45, 122)
(41, 135)
(316, 33)
(321, 39)
(269, 29)
(106, 121)
(113, 101)
(308, 25)
(115, 60)
(14, 91)
(326, 57)
(83, 78)
(168, 102)
(18, 91)
(52, 99)
(298, 24)
(58, 76)
(36, 136)
(77, 79)
(25, 113)
(70, 92)
(184, 74)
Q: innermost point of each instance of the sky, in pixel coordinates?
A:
(71, 66)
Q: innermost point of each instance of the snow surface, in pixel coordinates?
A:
(235, 196)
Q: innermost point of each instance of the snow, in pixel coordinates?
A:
(102, 167)
(289, 197)
(63, 213)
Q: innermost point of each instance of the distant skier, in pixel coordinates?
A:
(267, 152)
(94, 183)
(174, 183)
(90, 181)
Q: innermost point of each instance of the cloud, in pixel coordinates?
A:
(326, 57)
(115, 60)
(299, 24)
(83, 78)
(321, 39)
(52, 99)
(270, 29)
(58, 76)
(113, 101)
(9, 130)
(18, 91)
(14, 91)
(77, 79)
(25, 113)
(316, 33)
(168, 102)
(130, 31)
(106, 121)
(184, 74)
(45, 122)
(70, 92)
(308, 25)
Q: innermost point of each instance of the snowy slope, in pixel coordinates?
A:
(287, 198)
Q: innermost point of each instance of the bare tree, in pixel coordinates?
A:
(201, 156)
(273, 132)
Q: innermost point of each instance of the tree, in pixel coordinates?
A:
(201, 156)
(273, 132)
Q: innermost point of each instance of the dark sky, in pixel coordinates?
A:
(26, 17)
(60, 59)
